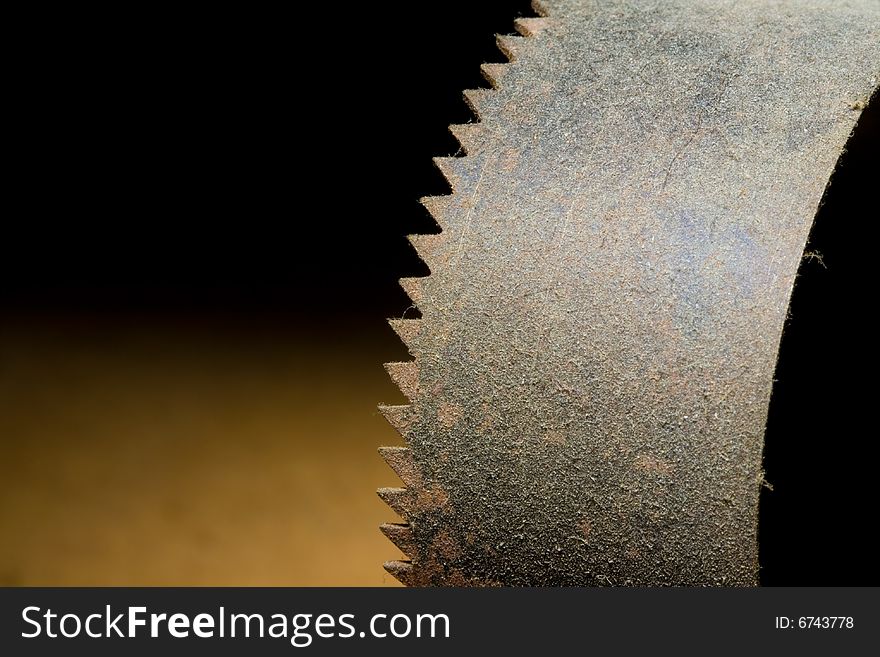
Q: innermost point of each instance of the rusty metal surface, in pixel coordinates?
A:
(599, 331)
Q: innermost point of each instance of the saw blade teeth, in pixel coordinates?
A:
(529, 26)
(408, 331)
(403, 571)
(401, 461)
(509, 45)
(414, 499)
(406, 376)
(494, 73)
(427, 245)
(399, 499)
(471, 136)
(400, 417)
(413, 288)
(401, 535)
(477, 100)
(539, 8)
(449, 167)
(438, 207)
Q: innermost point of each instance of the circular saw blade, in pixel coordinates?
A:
(600, 326)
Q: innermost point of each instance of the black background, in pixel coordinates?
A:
(250, 163)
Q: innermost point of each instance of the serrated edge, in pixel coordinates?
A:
(405, 374)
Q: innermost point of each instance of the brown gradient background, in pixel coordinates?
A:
(204, 227)
(186, 453)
